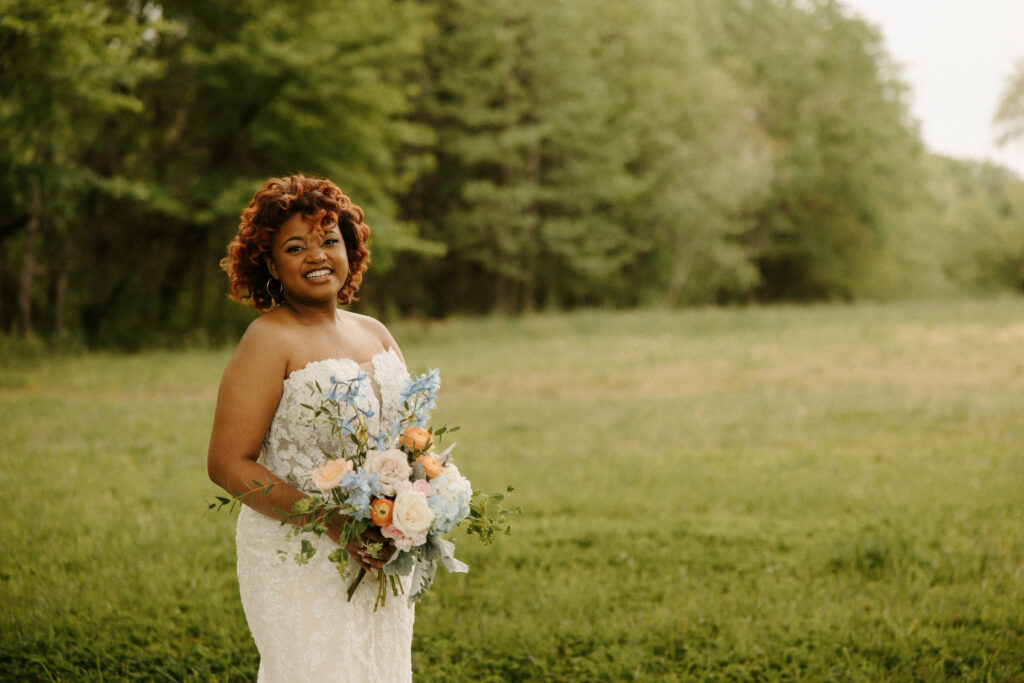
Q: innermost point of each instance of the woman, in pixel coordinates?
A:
(299, 252)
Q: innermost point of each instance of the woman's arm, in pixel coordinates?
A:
(249, 393)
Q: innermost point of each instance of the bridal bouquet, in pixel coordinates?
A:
(390, 476)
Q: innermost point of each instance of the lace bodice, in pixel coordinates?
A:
(303, 626)
(295, 444)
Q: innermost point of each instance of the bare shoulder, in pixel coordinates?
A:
(375, 329)
(249, 393)
(263, 348)
(371, 326)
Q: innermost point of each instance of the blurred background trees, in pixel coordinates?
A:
(510, 156)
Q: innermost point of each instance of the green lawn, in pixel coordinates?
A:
(826, 493)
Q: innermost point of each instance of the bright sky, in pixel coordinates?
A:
(956, 56)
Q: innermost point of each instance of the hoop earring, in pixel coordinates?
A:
(274, 297)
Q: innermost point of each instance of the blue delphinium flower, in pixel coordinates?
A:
(347, 391)
(360, 489)
(420, 396)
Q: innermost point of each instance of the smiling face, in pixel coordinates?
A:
(310, 263)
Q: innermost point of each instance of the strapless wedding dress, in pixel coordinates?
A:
(304, 627)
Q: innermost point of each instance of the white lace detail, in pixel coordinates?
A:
(303, 626)
(295, 445)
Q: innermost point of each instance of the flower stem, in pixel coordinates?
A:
(355, 583)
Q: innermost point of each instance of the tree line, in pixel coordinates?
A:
(510, 157)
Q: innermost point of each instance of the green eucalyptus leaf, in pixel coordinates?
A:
(422, 577)
(400, 564)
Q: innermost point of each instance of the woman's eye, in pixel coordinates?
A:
(294, 249)
(330, 241)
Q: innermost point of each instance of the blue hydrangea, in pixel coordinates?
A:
(450, 493)
(360, 489)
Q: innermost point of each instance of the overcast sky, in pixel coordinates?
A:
(956, 56)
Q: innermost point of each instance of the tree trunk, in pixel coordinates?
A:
(199, 297)
(529, 289)
(60, 287)
(532, 250)
(552, 299)
(504, 295)
(60, 298)
(28, 263)
(679, 275)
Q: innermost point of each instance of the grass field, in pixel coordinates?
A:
(826, 493)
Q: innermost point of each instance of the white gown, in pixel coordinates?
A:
(304, 627)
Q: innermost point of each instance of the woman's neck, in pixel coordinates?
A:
(312, 314)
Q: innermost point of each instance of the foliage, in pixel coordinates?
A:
(487, 517)
(511, 156)
(978, 214)
(825, 95)
(843, 502)
(1010, 114)
(200, 103)
(67, 70)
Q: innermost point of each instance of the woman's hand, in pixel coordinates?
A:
(360, 552)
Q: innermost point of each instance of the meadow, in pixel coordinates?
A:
(792, 493)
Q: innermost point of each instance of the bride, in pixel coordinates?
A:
(299, 252)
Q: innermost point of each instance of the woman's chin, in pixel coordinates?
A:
(315, 295)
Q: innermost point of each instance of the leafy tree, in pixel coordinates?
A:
(703, 160)
(66, 69)
(1010, 114)
(532, 184)
(510, 155)
(481, 197)
(977, 210)
(844, 148)
(222, 95)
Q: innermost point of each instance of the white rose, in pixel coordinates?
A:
(390, 467)
(412, 515)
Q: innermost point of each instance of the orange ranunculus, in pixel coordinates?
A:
(430, 465)
(416, 439)
(380, 511)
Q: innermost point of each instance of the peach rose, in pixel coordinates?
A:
(416, 439)
(391, 467)
(380, 511)
(330, 474)
(402, 542)
(430, 465)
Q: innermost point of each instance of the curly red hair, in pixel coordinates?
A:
(320, 201)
